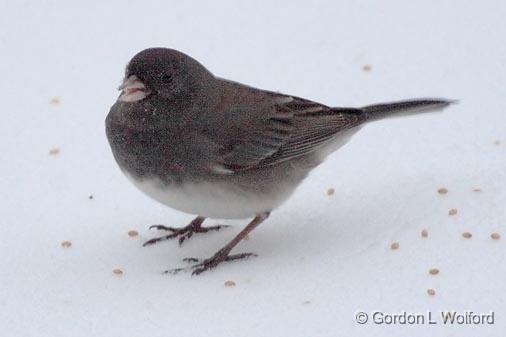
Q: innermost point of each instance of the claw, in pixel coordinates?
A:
(150, 242)
(200, 271)
(184, 237)
(202, 265)
(161, 238)
(162, 227)
(223, 255)
(184, 233)
(217, 227)
(173, 271)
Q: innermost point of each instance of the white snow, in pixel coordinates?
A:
(333, 251)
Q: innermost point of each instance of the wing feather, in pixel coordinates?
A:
(292, 127)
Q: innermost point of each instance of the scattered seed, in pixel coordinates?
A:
(452, 212)
(307, 302)
(442, 190)
(495, 236)
(132, 233)
(331, 191)
(90, 197)
(66, 244)
(54, 151)
(54, 101)
(366, 67)
(478, 190)
(467, 235)
(497, 142)
(229, 284)
(433, 271)
(431, 292)
(117, 271)
(394, 246)
(424, 233)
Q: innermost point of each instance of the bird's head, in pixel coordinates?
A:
(165, 73)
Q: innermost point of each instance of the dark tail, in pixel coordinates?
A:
(405, 108)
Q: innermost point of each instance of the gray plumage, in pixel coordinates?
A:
(190, 128)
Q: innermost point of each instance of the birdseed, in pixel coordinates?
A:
(366, 67)
(66, 244)
(117, 271)
(424, 233)
(495, 236)
(394, 246)
(431, 292)
(229, 284)
(452, 212)
(54, 151)
(433, 271)
(331, 191)
(442, 190)
(54, 101)
(132, 233)
(467, 235)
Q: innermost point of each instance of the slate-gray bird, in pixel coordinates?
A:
(220, 149)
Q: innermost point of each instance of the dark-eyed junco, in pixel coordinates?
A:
(220, 149)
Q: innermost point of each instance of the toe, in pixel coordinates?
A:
(162, 227)
(197, 271)
(173, 271)
(149, 242)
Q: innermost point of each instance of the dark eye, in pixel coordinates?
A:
(167, 78)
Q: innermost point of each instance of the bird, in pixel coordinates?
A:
(215, 148)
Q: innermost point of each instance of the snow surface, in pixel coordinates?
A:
(321, 258)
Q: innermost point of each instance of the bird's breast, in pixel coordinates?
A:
(144, 152)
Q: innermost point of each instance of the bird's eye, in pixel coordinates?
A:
(167, 78)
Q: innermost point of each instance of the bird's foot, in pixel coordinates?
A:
(202, 265)
(183, 233)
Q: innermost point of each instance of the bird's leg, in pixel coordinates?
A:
(183, 233)
(224, 253)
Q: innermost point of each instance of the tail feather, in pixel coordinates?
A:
(404, 108)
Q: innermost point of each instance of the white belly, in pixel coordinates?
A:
(210, 200)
